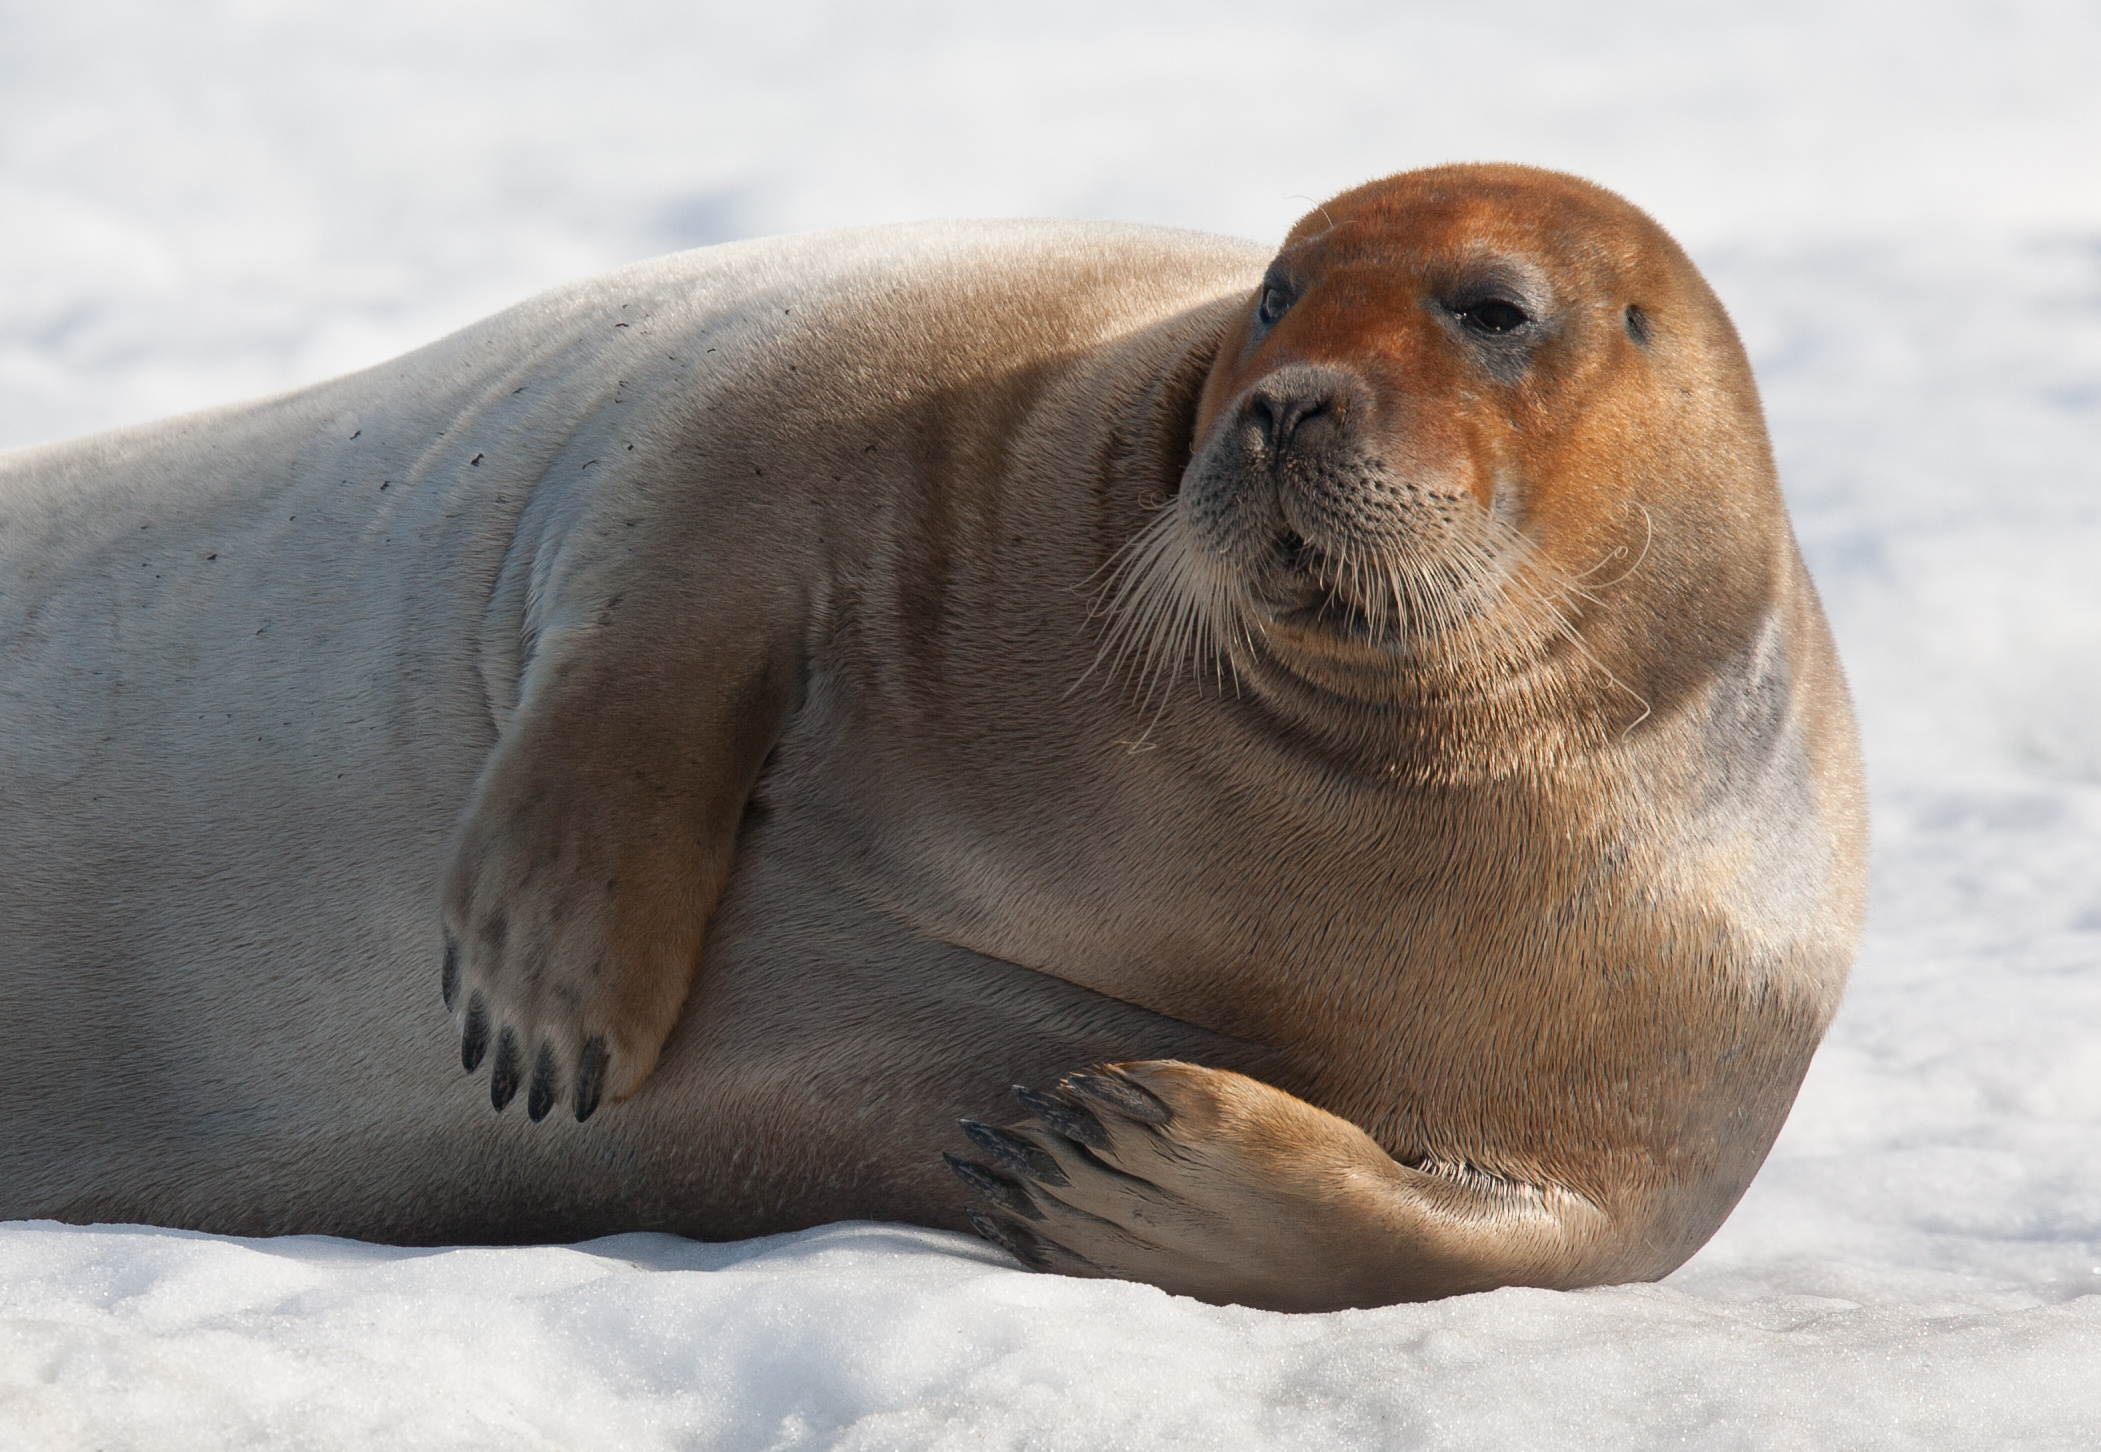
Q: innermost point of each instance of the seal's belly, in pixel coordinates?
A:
(828, 1048)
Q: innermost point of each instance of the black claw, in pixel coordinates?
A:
(540, 1098)
(503, 1079)
(993, 1231)
(474, 1039)
(590, 1078)
(1014, 1154)
(1107, 1087)
(1074, 1123)
(1008, 1196)
(1033, 1251)
(449, 976)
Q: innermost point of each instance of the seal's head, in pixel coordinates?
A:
(1465, 410)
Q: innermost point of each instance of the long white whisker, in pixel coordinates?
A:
(1460, 590)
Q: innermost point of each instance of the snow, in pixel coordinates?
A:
(880, 1337)
(1898, 202)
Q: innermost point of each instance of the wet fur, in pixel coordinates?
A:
(687, 663)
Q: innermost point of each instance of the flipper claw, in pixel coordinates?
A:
(1075, 1123)
(1014, 1154)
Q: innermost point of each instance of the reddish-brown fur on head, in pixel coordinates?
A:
(1473, 414)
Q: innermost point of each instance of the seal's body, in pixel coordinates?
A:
(1402, 734)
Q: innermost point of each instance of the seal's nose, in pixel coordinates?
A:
(1292, 404)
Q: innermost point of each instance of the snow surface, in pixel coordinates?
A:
(1900, 202)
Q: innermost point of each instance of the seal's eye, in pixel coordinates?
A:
(1494, 315)
(1274, 301)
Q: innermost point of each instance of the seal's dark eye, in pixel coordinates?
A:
(1274, 301)
(1495, 316)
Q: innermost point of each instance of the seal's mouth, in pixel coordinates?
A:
(1293, 553)
(1434, 585)
(1304, 586)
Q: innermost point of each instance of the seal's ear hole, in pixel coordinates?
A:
(1637, 324)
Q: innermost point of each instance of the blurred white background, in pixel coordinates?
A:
(209, 199)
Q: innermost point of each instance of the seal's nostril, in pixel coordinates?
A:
(1279, 412)
(1303, 411)
(1262, 412)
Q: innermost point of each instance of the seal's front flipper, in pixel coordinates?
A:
(1210, 1184)
(599, 834)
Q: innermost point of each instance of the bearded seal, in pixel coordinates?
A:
(1352, 728)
